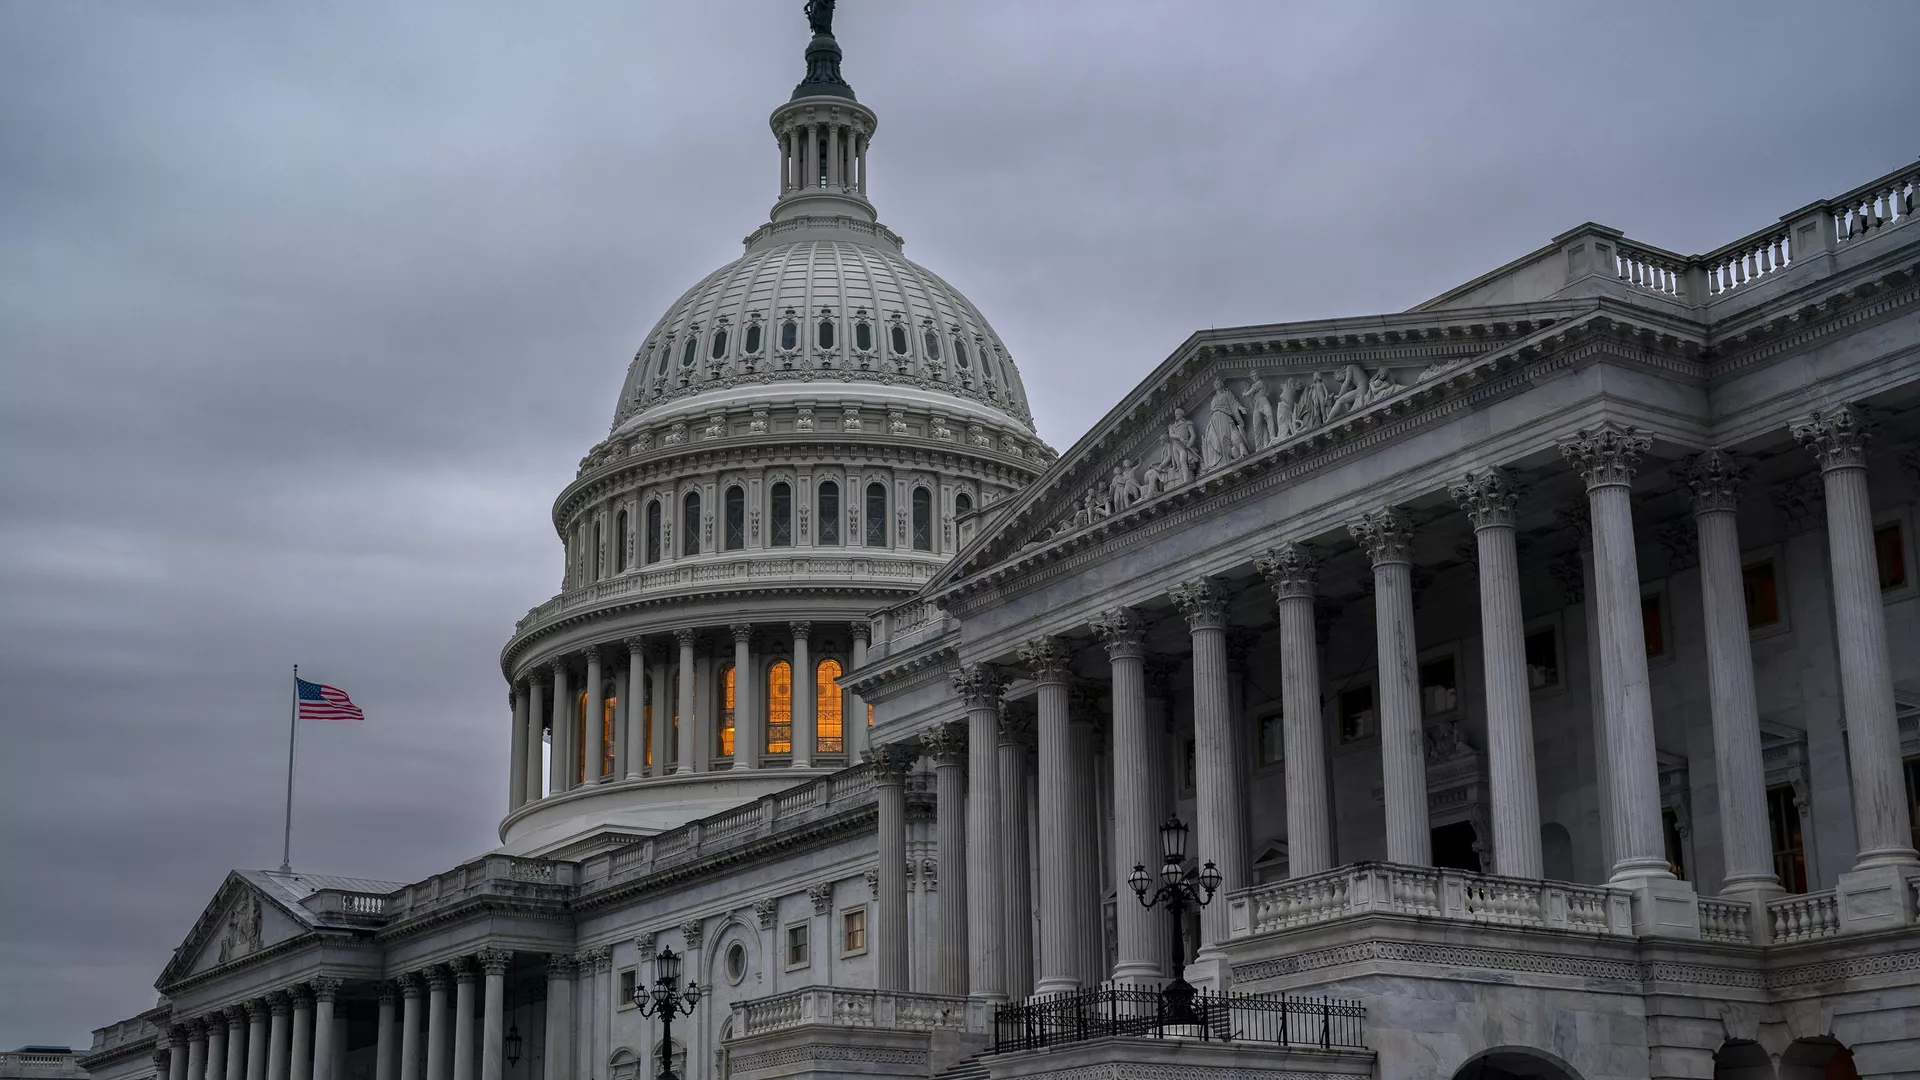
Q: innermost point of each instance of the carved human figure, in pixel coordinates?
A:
(1311, 412)
(1182, 452)
(1226, 438)
(1283, 410)
(1350, 393)
(1262, 430)
(1380, 385)
(1122, 490)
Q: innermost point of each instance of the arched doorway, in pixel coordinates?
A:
(1818, 1058)
(1739, 1059)
(1515, 1063)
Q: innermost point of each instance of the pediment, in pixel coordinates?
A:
(238, 922)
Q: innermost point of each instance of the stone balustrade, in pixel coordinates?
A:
(1804, 916)
(1729, 922)
(829, 1006)
(1386, 888)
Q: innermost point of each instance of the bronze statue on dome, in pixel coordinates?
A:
(820, 17)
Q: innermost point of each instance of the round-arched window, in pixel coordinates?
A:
(736, 963)
(898, 334)
(719, 343)
(962, 504)
(922, 519)
(825, 336)
(863, 336)
(688, 353)
(752, 344)
(789, 335)
(781, 500)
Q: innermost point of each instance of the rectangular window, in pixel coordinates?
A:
(1543, 659)
(1653, 625)
(876, 515)
(797, 946)
(1789, 854)
(626, 990)
(1763, 595)
(1186, 773)
(1356, 714)
(1891, 553)
(1273, 739)
(853, 931)
(829, 513)
(1439, 686)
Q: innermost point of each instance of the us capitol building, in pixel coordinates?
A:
(1538, 669)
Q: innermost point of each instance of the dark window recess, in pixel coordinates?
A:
(898, 336)
(932, 343)
(688, 354)
(752, 344)
(1891, 554)
(1783, 823)
(829, 512)
(960, 352)
(620, 543)
(782, 500)
(653, 531)
(922, 519)
(1273, 739)
(876, 515)
(1453, 847)
(826, 333)
(863, 336)
(1543, 660)
(719, 343)
(1439, 686)
(1653, 626)
(690, 525)
(1676, 851)
(962, 504)
(599, 550)
(1763, 595)
(736, 509)
(789, 335)
(1356, 713)
(1913, 796)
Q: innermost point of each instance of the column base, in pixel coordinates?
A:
(1664, 907)
(1055, 986)
(1876, 898)
(1755, 892)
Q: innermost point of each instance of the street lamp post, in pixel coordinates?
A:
(1177, 894)
(666, 1000)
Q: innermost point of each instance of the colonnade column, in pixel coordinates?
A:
(536, 775)
(1387, 537)
(1083, 852)
(683, 738)
(1046, 660)
(947, 745)
(517, 747)
(383, 1047)
(196, 1049)
(279, 1005)
(257, 1018)
(1577, 518)
(805, 717)
(559, 1063)
(1137, 805)
(617, 723)
(593, 748)
(1837, 436)
(177, 1052)
(856, 720)
(748, 742)
(1219, 796)
(493, 1027)
(633, 708)
(1016, 880)
(1605, 456)
(835, 181)
(437, 1033)
(1290, 569)
(979, 687)
(216, 1064)
(324, 991)
(238, 1045)
(1490, 497)
(663, 709)
(300, 1049)
(1714, 479)
(890, 766)
(463, 975)
(559, 750)
(409, 1026)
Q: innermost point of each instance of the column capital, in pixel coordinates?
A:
(557, 666)
(801, 631)
(437, 977)
(767, 911)
(462, 968)
(821, 893)
(196, 1028)
(325, 988)
(1386, 535)
(279, 1003)
(946, 744)
(1290, 569)
(1203, 602)
(1121, 630)
(560, 966)
(978, 685)
(649, 942)
(636, 646)
(409, 983)
(1016, 727)
(742, 632)
(301, 997)
(860, 630)
(388, 993)
(1837, 436)
(590, 654)
(1605, 455)
(1714, 479)
(1489, 496)
(892, 761)
(685, 637)
(693, 931)
(493, 961)
(1046, 658)
(237, 1015)
(256, 1008)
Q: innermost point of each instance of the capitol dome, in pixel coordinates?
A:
(804, 438)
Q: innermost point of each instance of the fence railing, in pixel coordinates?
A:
(1143, 1012)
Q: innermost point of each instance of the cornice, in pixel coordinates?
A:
(1842, 310)
(926, 663)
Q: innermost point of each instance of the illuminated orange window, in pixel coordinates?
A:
(830, 737)
(726, 711)
(780, 708)
(609, 718)
(646, 724)
(869, 716)
(580, 737)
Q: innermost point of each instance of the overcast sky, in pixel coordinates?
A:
(307, 312)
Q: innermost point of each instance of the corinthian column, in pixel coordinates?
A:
(560, 748)
(1016, 738)
(593, 729)
(409, 1026)
(1490, 497)
(258, 1018)
(1605, 457)
(196, 1049)
(634, 707)
(1083, 864)
(1290, 570)
(277, 1035)
(979, 687)
(559, 1063)
(1387, 537)
(437, 1033)
(1714, 478)
(463, 1010)
(177, 1052)
(1837, 436)
(301, 1053)
(216, 1063)
(1137, 808)
(238, 1045)
(748, 740)
(891, 764)
(517, 747)
(947, 746)
(324, 991)
(493, 1027)
(383, 1033)
(1219, 795)
(1046, 660)
(805, 737)
(536, 724)
(683, 762)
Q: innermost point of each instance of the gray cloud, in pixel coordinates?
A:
(307, 314)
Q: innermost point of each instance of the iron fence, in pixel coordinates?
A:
(1139, 1012)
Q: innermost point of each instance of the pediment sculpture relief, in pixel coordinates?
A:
(242, 937)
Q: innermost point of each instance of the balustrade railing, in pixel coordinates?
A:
(1387, 888)
(1804, 917)
(1142, 1012)
(1728, 922)
(1651, 269)
(1871, 207)
(828, 1006)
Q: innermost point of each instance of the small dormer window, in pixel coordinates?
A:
(789, 335)
(899, 335)
(826, 333)
(960, 352)
(752, 344)
(863, 336)
(719, 343)
(689, 353)
(932, 343)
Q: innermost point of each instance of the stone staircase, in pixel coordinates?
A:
(969, 1069)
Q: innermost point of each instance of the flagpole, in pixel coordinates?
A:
(293, 714)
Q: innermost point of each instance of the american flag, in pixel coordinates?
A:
(319, 701)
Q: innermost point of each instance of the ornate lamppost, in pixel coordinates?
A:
(666, 1000)
(1178, 895)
